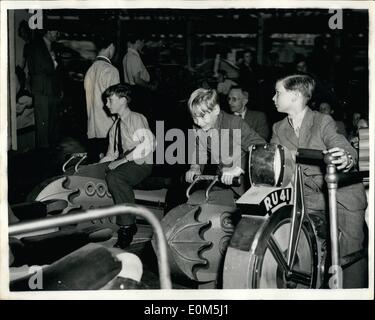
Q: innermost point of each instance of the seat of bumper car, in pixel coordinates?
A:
(91, 267)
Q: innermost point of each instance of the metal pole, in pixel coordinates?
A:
(331, 179)
(12, 113)
(297, 217)
(74, 218)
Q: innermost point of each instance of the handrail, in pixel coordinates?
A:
(207, 177)
(82, 155)
(331, 179)
(74, 218)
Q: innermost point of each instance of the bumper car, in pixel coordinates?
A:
(264, 239)
(79, 189)
(83, 187)
(90, 267)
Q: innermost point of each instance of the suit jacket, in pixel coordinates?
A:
(257, 121)
(318, 131)
(226, 152)
(222, 151)
(44, 76)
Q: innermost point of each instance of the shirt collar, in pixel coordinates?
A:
(125, 114)
(104, 58)
(297, 119)
(133, 51)
(241, 113)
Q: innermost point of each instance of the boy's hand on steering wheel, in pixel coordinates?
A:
(191, 174)
(228, 175)
(343, 158)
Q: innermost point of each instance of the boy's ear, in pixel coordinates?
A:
(216, 110)
(296, 95)
(124, 99)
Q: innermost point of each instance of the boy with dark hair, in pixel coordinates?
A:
(131, 144)
(304, 128)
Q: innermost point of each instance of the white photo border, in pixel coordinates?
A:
(279, 294)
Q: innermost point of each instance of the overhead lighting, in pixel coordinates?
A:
(53, 17)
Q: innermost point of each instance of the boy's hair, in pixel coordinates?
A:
(202, 101)
(103, 41)
(301, 83)
(120, 90)
(132, 38)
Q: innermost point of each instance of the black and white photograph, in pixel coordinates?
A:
(187, 150)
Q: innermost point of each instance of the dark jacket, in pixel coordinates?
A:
(257, 121)
(226, 156)
(44, 76)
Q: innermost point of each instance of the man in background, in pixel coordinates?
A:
(257, 120)
(45, 86)
(136, 75)
(100, 76)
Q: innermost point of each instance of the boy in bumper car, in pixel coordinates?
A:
(305, 128)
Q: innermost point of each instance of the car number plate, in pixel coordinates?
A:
(277, 198)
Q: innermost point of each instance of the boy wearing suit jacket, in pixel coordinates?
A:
(304, 128)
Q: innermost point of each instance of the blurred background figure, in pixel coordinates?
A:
(42, 62)
(24, 106)
(205, 84)
(24, 33)
(100, 76)
(223, 87)
(248, 73)
(326, 108)
(321, 58)
(224, 84)
(137, 75)
(300, 64)
(358, 121)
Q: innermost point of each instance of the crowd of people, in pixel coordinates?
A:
(154, 99)
(120, 102)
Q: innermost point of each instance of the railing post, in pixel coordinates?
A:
(331, 179)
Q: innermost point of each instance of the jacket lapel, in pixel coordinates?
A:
(289, 132)
(306, 125)
(248, 119)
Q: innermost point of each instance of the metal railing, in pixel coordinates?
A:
(74, 218)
